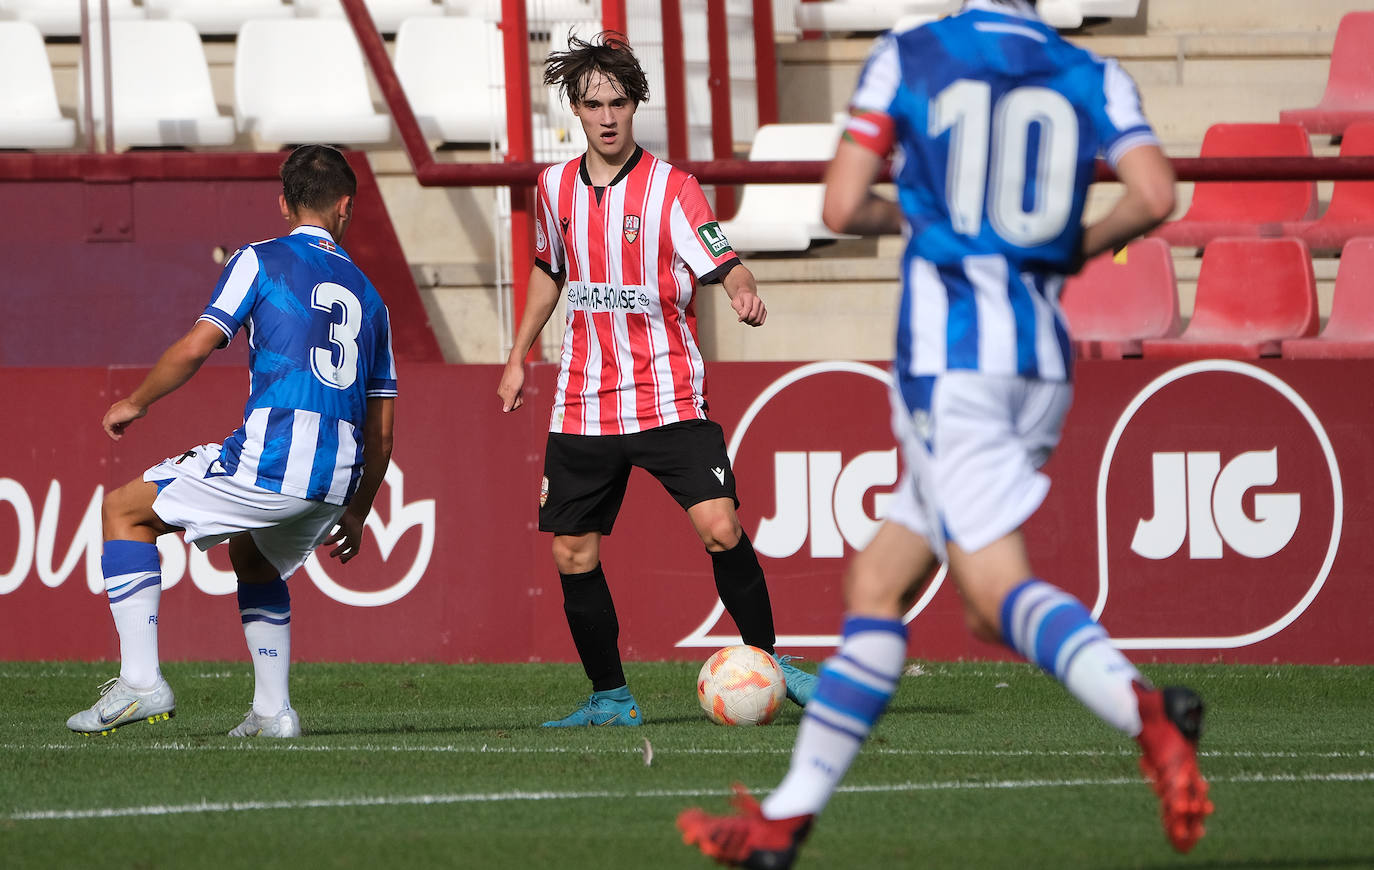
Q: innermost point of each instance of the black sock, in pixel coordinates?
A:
(595, 630)
(740, 584)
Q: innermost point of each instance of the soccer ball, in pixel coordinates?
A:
(741, 685)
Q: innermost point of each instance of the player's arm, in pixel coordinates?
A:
(541, 298)
(174, 368)
(850, 205)
(743, 291)
(378, 431)
(1148, 201)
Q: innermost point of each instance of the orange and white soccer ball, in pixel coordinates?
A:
(741, 685)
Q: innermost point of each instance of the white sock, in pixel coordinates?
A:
(133, 584)
(1055, 631)
(265, 609)
(855, 685)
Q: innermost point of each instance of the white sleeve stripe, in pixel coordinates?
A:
(223, 327)
(241, 279)
(1123, 100)
(880, 78)
(1129, 142)
(381, 394)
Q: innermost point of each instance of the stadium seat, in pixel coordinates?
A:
(1349, 93)
(783, 217)
(277, 105)
(1119, 300)
(160, 86)
(63, 17)
(1349, 331)
(217, 17)
(851, 15)
(1351, 212)
(1251, 295)
(29, 117)
(1222, 208)
(1069, 14)
(451, 71)
(386, 14)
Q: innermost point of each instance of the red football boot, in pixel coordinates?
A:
(1171, 722)
(745, 838)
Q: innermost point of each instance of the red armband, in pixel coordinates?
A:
(875, 131)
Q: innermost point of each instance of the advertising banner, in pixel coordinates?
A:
(1208, 510)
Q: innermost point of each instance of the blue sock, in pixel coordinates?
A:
(265, 609)
(1055, 631)
(853, 691)
(133, 584)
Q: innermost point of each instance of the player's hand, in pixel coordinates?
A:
(348, 534)
(750, 308)
(120, 415)
(512, 387)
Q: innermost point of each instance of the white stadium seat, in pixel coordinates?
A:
(850, 15)
(452, 73)
(1068, 14)
(160, 87)
(217, 17)
(386, 14)
(281, 102)
(29, 117)
(784, 217)
(63, 17)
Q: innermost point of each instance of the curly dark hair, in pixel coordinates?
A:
(315, 177)
(608, 53)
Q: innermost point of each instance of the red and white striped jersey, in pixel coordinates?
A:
(630, 360)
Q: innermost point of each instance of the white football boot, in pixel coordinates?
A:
(121, 704)
(284, 724)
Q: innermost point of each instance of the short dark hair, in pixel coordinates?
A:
(608, 53)
(316, 177)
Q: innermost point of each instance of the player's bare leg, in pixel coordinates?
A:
(595, 631)
(265, 611)
(1005, 602)
(133, 584)
(855, 686)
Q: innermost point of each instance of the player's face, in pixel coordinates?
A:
(607, 117)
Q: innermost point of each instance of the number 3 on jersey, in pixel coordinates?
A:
(990, 144)
(343, 335)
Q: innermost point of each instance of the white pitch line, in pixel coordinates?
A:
(495, 797)
(487, 749)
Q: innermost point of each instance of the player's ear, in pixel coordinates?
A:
(285, 209)
(345, 207)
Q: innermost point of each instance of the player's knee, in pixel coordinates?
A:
(868, 593)
(719, 530)
(574, 556)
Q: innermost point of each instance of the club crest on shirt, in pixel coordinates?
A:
(540, 241)
(631, 228)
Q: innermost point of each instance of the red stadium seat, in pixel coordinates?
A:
(1349, 330)
(1351, 212)
(1118, 300)
(1251, 294)
(1349, 93)
(1221, 208)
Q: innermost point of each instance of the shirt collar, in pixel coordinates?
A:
(1020, 9)
(619, 176)
(309, 230)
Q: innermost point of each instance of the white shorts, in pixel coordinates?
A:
(195, 494)
(972, 460)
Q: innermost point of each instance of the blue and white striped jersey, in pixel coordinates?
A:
(319, 346)
(995, 122)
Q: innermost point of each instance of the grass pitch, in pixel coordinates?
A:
(975, 766)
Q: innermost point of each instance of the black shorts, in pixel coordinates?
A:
(585, 475)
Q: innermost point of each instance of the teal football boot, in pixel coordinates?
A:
(611, 707)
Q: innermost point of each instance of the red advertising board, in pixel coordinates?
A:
(1205, 510)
